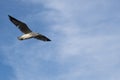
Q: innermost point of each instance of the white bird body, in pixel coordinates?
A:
(28, 35)
(25, 36)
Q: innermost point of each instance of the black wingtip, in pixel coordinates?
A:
(10, 16)
(48, 40)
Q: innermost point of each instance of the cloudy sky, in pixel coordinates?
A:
(85, 38)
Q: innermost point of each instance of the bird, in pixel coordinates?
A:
(27, 32)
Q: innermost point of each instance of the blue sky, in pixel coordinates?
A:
(85, 38)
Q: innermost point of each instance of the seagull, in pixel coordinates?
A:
(27, 32)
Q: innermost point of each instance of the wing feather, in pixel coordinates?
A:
(22, 26)
(42, 37)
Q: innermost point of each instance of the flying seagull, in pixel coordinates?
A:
(27, 32)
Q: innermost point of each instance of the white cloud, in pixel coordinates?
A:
(79, 50)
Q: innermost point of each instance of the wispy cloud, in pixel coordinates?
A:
(85, 46)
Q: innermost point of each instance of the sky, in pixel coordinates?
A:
(85, 38)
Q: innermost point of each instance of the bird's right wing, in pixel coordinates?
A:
(22, 26)
(42, 37)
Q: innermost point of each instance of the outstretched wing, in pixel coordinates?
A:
(42, 37)
(22, 26)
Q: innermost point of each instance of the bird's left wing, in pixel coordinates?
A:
(22, 26)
